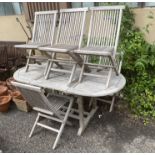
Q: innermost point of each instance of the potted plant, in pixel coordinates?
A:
(2, 83)
(3, 90)
(4, 103)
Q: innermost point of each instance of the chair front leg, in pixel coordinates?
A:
(82, 69)
(112, 103)
(63, 123)
(114, 65)
(72, 74)
(50, 65)
(35, 123)
(28, 60)
(46, 68)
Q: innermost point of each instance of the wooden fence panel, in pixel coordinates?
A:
(31, 7)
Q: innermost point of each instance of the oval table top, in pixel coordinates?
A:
(90, 86)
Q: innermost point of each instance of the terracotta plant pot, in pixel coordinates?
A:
(3, 83)
(3, 90)
(4, 103)
(17, 94)
(10, 86)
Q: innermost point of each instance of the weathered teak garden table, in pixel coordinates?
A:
(90, 87)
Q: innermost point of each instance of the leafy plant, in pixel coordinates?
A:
(138, 66)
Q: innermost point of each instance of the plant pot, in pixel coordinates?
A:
(10, 86)
(4, 103)
(16, 94)
(2, 83)
(3, 90)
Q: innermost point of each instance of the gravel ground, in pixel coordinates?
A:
(112, 132)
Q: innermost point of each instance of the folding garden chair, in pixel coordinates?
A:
(47, 107)
(103, 37)
(43, 34)
(69, 37)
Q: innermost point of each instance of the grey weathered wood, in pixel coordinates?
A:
(84, 121)
(103, 38)
(69, 34)
(90, 86)
(43, 30)
(95, 51)
(43, 33)
(53, 103)
(111, 102)
(77, 58)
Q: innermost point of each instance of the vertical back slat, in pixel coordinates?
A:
(114, 28)
(44, 27)
(74, 26)
(118, 31)
(83, 26)
(90, 27)
(108, 28)
(100, 28)
(59, 29)
(34, 28)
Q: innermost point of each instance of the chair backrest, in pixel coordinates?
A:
(105, 26)
(44, 27)
(71, 26)
(35, 97)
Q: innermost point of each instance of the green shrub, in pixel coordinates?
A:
(138, 67)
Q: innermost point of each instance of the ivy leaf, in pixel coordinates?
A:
(140, 65)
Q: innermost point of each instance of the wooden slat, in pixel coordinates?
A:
(12, 53)
(35, 6)
(26, 11)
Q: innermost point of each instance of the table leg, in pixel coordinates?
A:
(81, 116)
(83, 121)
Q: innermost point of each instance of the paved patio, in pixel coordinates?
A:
(111, 132)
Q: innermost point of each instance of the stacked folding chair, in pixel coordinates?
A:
(102, 41)
(43, 34)
(69, 37)
(47, 107)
